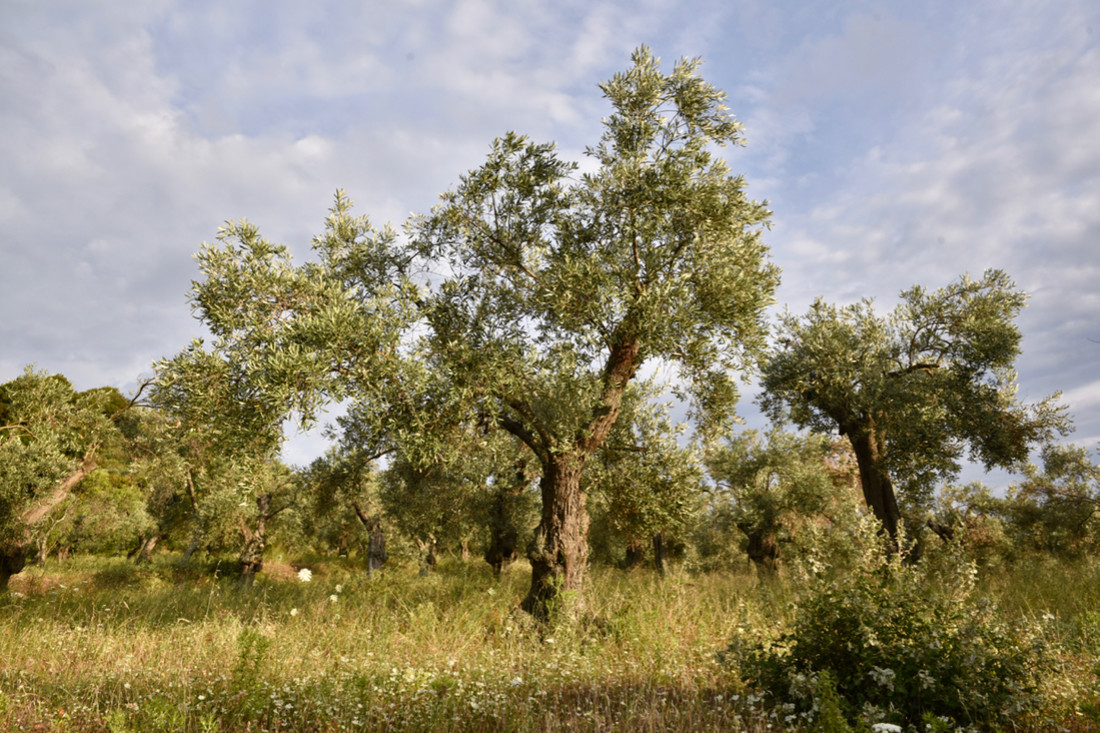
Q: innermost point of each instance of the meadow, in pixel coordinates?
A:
(94, 644)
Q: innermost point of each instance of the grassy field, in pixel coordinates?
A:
(99, 645)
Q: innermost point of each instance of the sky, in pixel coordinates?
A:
(896, 143)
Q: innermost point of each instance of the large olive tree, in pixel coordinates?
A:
(526, 301)
(561, 286)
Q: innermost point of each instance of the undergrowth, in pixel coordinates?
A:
(101, 645)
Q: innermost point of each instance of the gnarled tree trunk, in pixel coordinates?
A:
(376, 544)
(635, 554)
(878, 491)
(14, 552)
(559, 549)
(252, 554)
(13, 558)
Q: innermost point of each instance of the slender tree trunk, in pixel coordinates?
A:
(192, 546)
(878, 491)
(660, 552)
(376, 551)
(559, 549)
(145, 552)
(427, 555)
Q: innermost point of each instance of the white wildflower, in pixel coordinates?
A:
(333, 598)
(339, 588)
(883, 676)
(305, 575)
(294, 612)
(886, 728)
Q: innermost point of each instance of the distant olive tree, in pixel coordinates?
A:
(913, 390)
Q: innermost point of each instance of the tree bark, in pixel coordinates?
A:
(660, 552)
(878, 491)
(762, 549)
(13, 553)
(252, 554)
(145, 552)
(376, 544)
(427, 555)
(13, 558)
(559, 549)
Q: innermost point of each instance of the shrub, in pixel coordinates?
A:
(901, 643)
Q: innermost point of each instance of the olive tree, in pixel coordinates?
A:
(1057, 509)
(915, 390)
(50, 440)
(526, 301)
(775, 488)
(561, 285)
(647, 485)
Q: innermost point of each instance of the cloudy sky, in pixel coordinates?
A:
(897, 143)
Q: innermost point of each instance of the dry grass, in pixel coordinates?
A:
(98, 645)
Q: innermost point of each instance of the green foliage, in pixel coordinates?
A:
(830, 717)
(48, 434)
(782, 490)
(1057, 509)
(914, 389)
(902, 641)
(643, 481)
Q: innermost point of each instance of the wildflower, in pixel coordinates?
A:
(305, 575)
(294, 612)
(886, 728)
(883, 676)
(333, 598)
(339, 588)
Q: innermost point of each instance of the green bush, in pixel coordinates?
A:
(902, 644)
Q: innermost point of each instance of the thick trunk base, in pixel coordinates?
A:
(559, 549)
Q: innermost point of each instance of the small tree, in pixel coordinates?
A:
(229, 419)
(647, 484)
(50, 440)
(912, 390)
(1057, 509)
(776, 485)
(344, 488)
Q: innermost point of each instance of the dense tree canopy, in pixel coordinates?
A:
(51, 438)
(552, 290)
(914, 390)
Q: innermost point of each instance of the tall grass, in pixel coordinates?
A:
(99, 645)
